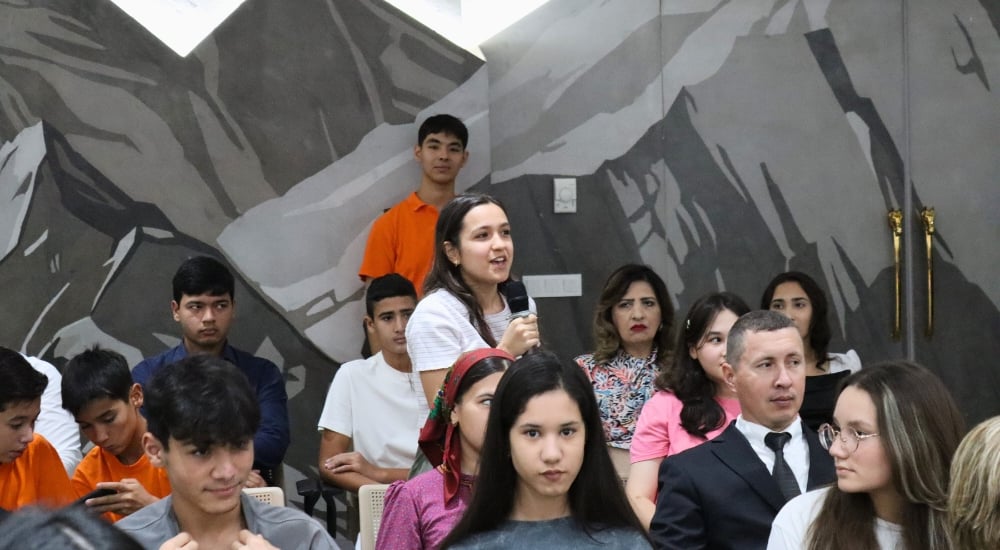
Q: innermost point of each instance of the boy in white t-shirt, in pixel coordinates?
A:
(375, 406)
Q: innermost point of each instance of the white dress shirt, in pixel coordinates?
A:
(796, 450)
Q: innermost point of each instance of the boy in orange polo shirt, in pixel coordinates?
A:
(97, 389)
(402, 239)
(31, 472)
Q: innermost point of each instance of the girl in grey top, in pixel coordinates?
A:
(546, 479)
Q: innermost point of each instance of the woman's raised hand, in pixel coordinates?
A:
(521, 335)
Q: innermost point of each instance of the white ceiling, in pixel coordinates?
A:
(183, 24)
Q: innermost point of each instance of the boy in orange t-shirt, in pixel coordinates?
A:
(31, 472)
(402, 239)
(97, 389)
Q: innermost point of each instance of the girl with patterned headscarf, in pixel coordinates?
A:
(420, 512)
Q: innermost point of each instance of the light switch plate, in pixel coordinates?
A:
(564, 193)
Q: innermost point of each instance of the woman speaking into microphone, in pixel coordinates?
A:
(463, 307)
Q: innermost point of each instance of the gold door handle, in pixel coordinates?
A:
(896, 226)
(927, 216)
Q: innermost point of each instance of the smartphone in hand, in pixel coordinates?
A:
(93, 494)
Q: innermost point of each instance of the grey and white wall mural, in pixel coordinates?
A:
(719, 141)
(273, 145)
(723, 142)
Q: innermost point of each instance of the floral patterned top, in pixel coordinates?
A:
(622, 386)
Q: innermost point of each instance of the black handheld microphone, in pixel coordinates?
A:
(517, 299)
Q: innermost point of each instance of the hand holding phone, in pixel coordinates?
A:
(120, 497)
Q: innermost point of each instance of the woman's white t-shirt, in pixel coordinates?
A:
(788, 532)
(439, 330)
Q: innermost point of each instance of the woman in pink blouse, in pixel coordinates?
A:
(693, 403)
(419, 513)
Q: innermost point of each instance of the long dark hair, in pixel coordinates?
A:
(448, 276)
(701, 413)
(596, 498)
(920, 427)
(819, 324)
(606, 337)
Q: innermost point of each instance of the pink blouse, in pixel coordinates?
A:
(415, 515)
(659, 434)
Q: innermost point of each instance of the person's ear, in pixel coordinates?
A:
(369, 324)
(416, 152)
(154, 449)
(729, 375)
(135, 396)
(693, 352)
(454, 256)
(175, 309)
(453, 417)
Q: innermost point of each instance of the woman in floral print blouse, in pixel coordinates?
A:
(632, 336)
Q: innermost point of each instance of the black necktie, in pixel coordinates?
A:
(782, 471)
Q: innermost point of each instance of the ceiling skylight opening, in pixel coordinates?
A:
(183, 24)
(467, 23)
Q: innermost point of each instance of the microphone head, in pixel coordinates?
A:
(517, 298)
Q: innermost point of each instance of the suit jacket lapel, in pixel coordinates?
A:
(733, 449)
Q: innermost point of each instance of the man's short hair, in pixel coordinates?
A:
(755, 321)
(67, 528)
(19, 381)
(203, 401)
(95, 374)
(203, 275)
(443, 124)
(387, 286)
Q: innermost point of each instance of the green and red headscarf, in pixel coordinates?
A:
(439, 439)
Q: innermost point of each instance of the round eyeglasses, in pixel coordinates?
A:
(849, 438)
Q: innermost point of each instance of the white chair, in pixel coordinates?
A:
(371, 500)
(268, 495)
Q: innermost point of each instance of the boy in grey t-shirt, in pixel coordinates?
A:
(201, 419)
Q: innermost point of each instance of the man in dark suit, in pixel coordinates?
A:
(725, 493)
